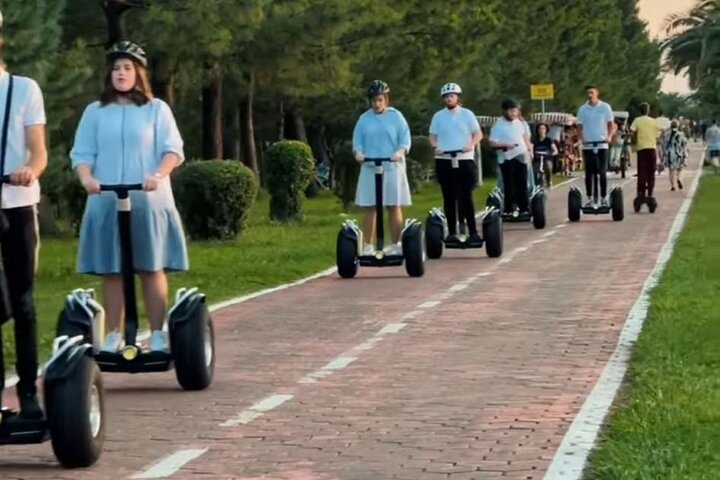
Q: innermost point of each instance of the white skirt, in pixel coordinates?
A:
(396, 189)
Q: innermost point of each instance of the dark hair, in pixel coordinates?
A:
(590, 86)
(645, 108)
(541, 124)
(139, 95)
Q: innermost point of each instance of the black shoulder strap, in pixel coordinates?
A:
(5, 128)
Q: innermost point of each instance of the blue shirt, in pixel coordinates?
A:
(454, 129)
(594, 121)
(380, 135)
(126, 143)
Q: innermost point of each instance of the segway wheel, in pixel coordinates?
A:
(75, 410)
(537, 207)
(616, 204)
(414, 254)
(492, 201)
(623, 170)
(346, 253)
(574, 206)
(637, 204)
(652, 204)
(192, 344)
(493, 235)
(434, 238)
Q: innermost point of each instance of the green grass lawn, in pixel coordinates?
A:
(666, 424)
(265, 255)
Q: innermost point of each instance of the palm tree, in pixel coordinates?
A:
(694, 42)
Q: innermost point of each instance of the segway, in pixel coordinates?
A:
(536, 201)
(349, 253)
(615, 207)
(74, 420)
(190, 327)
(436, 229)
(641, 200)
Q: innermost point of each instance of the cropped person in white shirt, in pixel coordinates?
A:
(456, 128)
(25, 161)
(510, 137)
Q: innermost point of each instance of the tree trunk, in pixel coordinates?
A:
(114, 10)
(299, 123)
(237, 128)
(217, 112)
(212, 144)
(281, 121)
(250, 150)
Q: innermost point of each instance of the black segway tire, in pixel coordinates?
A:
(346, 256)
(434, 232)
(493, 235)
(75, 411)
(637, 203)
(72, 329)
(574, 206)
(616, 205)
(188, 340)
(652, 204)
(414, 255)
(537, 208)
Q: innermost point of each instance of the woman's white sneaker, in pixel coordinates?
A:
(159, 342)
(112, 342)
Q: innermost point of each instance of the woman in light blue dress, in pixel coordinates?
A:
(382, 132)
(129, 137)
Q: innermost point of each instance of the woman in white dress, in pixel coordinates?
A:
(382, 132)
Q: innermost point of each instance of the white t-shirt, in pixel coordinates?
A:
(594, 121)
(506, 131)
(27, 109)
(454, 130)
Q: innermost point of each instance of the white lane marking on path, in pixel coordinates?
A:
(247, 416)
(571, 457)
(257, 410)
(170, 464)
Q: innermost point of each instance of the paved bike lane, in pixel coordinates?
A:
(473, 371)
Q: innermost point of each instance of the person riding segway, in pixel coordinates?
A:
(596, 128)
(520, 199)
(645, 133)
(73, 418)
(454, 133)
(381, 139)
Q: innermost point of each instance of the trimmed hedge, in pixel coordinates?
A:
(288, 168)
(214, 197)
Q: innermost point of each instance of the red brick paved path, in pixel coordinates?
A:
(481, 386)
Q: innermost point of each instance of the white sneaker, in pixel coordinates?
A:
(396, 249)
(158, 342)
(113, 342)
(368, 249)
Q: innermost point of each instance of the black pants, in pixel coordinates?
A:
(596, 168)
(19, 257)
(457, 185)
(514, 174)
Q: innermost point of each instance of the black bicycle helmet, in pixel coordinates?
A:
(509, 103)
(127, 49)
(378, 87)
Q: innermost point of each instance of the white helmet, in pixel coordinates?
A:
(450, 88)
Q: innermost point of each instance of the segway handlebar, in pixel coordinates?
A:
(452, 153)
(505, 149)
(377, 161)
(593, 144)
(121, 190)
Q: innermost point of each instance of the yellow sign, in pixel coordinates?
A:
(544, 91)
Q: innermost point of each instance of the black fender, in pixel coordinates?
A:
(187, 307)
(348, 233)
(436, 220)
(65, 360)
(574, 192)
(491, 216)
(411, 229)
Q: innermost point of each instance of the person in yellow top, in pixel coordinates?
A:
(645, 132)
